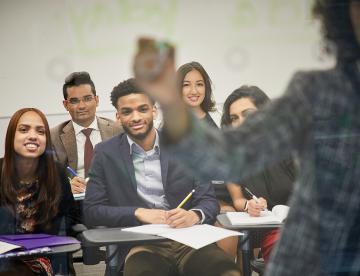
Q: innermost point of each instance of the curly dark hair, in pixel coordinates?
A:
(125, 88)
(337, 28)
(208, 103)
(254, 93)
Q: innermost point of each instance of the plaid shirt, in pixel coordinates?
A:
(318, 120)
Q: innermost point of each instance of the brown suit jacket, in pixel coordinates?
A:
(64, 142)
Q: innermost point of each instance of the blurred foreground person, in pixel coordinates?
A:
(318, 119)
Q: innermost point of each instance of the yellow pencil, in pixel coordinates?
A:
(182, 203)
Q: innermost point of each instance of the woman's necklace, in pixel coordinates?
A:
(28, 182)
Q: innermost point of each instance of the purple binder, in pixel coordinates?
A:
(31, 241)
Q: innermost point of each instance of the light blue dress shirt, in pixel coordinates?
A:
(148, 174)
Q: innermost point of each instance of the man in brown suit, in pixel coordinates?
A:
(73, 140)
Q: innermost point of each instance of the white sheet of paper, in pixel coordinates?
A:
(152, 229)
(196, 236)
(5, 247)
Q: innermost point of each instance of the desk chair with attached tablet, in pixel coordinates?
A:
(112, 239)
(244, 243)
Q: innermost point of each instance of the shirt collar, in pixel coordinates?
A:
(79, 128)
(155, 148)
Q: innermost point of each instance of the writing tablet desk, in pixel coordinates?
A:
(109, 236)
(114, 236)
(244, 240)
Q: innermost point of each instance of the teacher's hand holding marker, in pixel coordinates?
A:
(78, 184)
(179, 218)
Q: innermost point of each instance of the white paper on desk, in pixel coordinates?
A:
(5, 247)
(196, 236)
(199, 235)
(152, 229)
(276, 216)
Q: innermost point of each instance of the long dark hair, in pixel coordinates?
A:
(208, 103)
(254, 93)
(47, 172)
(337, 28)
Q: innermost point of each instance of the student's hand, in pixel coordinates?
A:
(78, 185)
(255, 207)
(150, 216)
(180, 218)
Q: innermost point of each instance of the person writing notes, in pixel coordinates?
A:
(133, 181)
(271, 187)
(74, 140)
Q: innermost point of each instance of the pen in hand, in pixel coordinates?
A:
(78, 184)
(71, 170)
(182, 203)
(254, 197)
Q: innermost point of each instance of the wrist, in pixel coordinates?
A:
(197, 216)
(138, 213)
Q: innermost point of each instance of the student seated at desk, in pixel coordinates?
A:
(35, 194)
(133, 182)
(73, 140)
(274, 185)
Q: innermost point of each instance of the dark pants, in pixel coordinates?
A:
(174, 259)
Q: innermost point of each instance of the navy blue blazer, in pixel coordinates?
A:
(111, 194)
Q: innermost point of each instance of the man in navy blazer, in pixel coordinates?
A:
(133, 182)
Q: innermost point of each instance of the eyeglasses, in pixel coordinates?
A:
(85, 99)
(74, 75)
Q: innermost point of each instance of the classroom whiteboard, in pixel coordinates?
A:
(261, 42)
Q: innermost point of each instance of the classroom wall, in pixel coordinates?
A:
(239, 42)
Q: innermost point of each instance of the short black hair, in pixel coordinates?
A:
(76, 79)
(254, 93)
(125, 88)
(337, 28)
(208, 103)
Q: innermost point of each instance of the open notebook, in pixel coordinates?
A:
(275, 216)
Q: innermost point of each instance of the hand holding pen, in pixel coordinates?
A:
(255, 205)
(179, 217)
(78, 184)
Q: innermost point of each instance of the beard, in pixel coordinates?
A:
(139, 136)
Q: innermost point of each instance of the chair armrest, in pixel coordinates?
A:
(78, 228)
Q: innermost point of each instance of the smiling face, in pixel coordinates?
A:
(136, 114)
(81, 103)
(30, 136)
(193, 89)
(239, 110)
